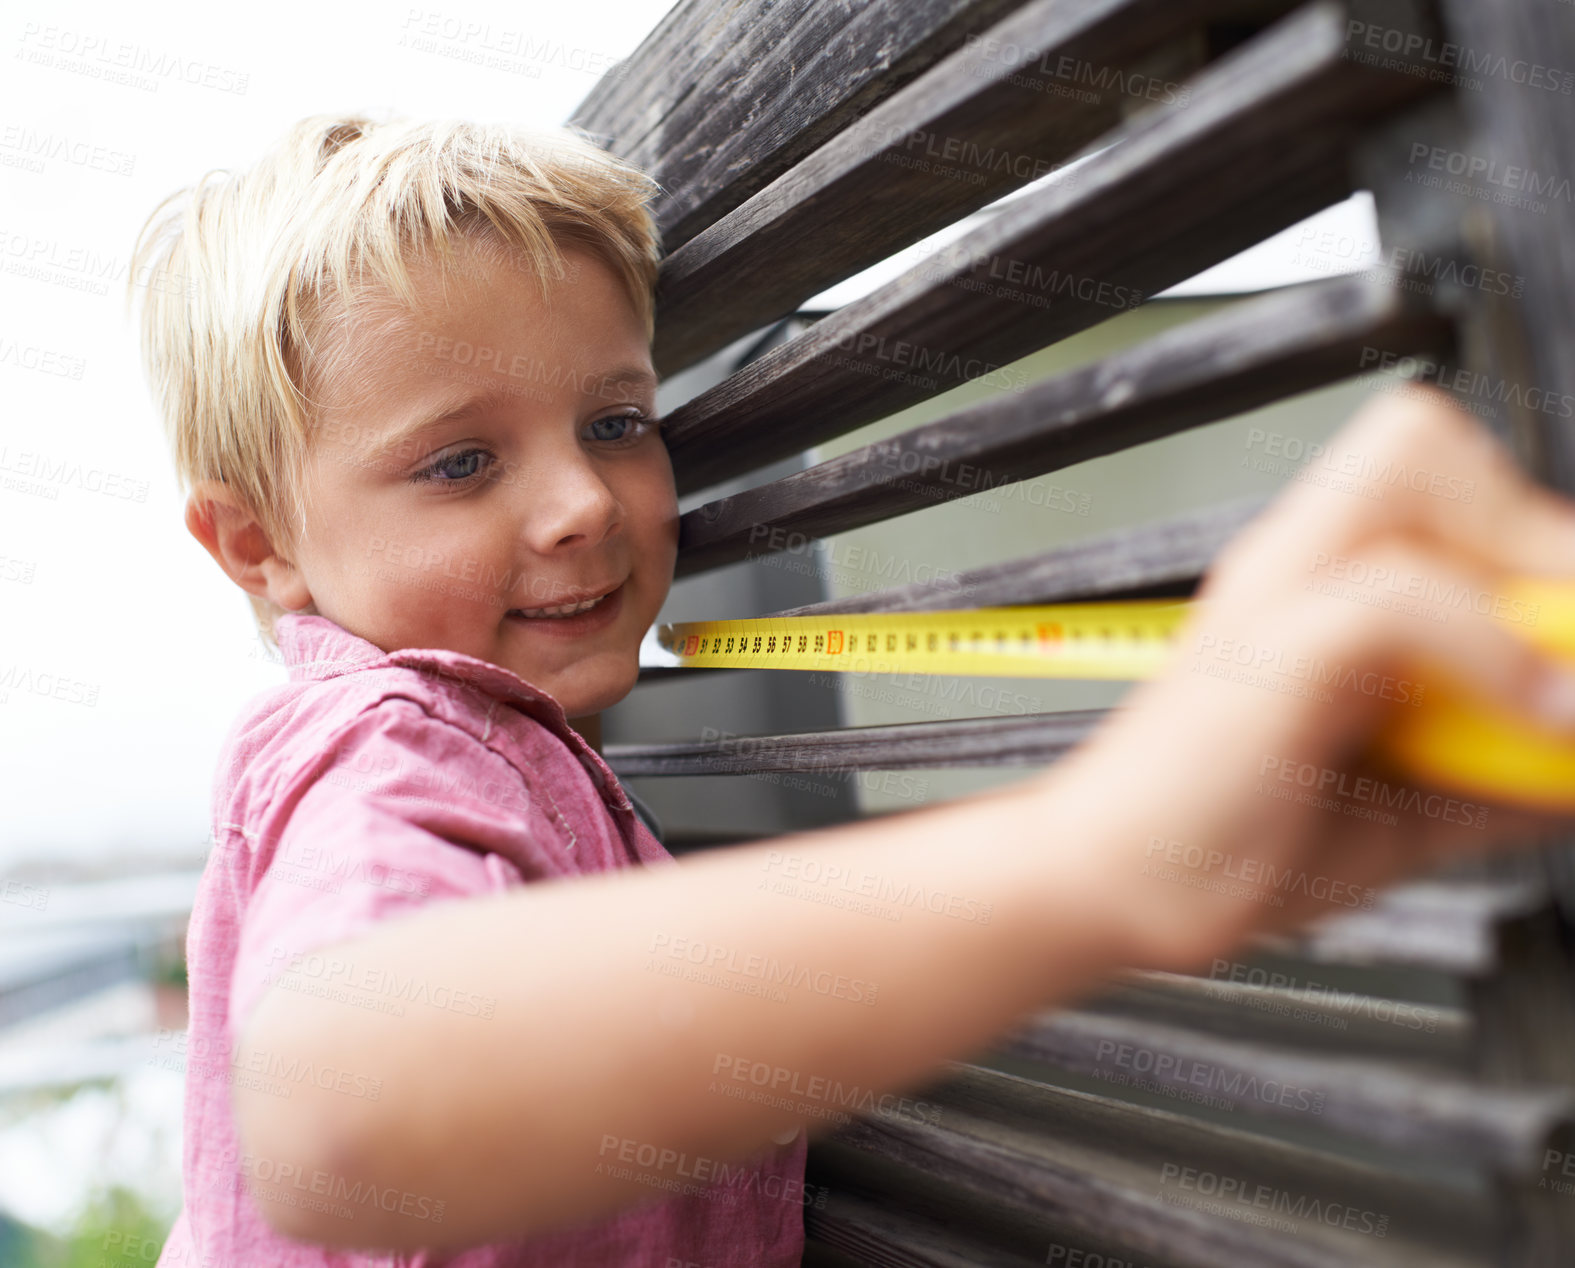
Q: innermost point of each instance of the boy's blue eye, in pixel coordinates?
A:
(455, 467)
(466, 464)
(643, 423)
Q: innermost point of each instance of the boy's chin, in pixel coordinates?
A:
(601, 688)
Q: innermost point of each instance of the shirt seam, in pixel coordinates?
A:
(482, 740)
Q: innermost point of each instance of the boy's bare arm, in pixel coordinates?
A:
(1085, 867)
(625, 1006)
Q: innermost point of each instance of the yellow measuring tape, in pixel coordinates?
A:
(1084, 640)
(1452, 738)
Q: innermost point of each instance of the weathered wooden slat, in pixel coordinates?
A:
(999, 112)
(624, 104)
(1525, 1016)
(1165, 556)
(1447, 926)
(1263, 142)
(1387, 1103)
(1031, 740)
(1304, 1015)
(1493, 173)
(724, 97)
(874, 1233)
(1096, 1169)
(1244, 357)
(1517, 207)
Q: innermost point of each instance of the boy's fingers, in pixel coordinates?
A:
(1456, 484)
(1314, 670)
(1358, 624)
(1416, 466)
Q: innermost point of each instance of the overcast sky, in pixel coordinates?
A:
(124, 652)
(152, 650)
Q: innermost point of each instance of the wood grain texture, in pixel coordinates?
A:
(1519, 163)
(882, 1232)
(1245, 357)
(725, 95)
(1030, 740)
(1008, 107)
(1305, 1016)
(1387, 1103)
(1512, 145)
(1448, 926)
(1158, 559)
(1262, 142)
(1095, 1168)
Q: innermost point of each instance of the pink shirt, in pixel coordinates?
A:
(365, 787)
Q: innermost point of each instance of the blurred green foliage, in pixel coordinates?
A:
(116, 1230)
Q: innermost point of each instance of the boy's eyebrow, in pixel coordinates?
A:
(623, 376)
(628, 376)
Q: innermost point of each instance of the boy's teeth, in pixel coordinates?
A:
(563, 609)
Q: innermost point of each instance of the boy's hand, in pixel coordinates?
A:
(1230, 794)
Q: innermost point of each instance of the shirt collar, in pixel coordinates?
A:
(315, 648)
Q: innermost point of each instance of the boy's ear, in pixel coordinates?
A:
(239, 544)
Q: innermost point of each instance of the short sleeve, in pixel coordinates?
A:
(407, 810)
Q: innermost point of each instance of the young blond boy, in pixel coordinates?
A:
(404, 368)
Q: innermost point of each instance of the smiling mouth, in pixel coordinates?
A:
(560, 610)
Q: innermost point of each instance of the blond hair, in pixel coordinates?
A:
(243, 274)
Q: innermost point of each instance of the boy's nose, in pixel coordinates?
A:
(570, 501)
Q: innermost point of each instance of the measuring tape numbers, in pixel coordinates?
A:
(1453, 738)
(1092, 640)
